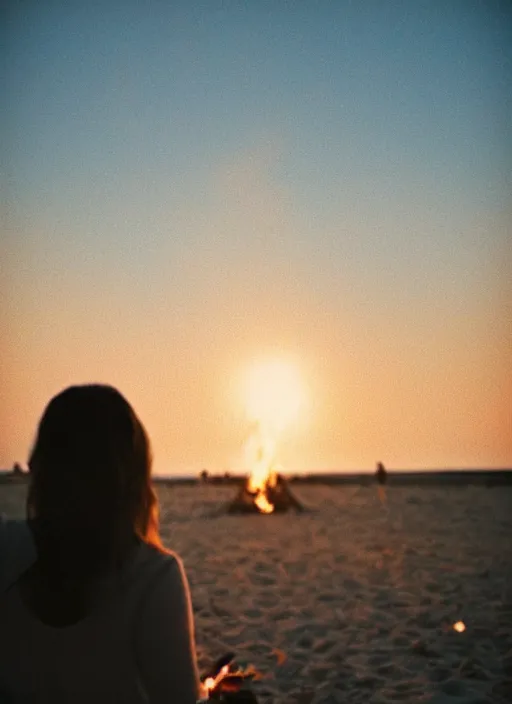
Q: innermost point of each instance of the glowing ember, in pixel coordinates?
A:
(225, 680)
(460, 627)
(211, 682)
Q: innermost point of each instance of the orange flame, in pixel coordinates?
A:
(261, 451)
(263, 503)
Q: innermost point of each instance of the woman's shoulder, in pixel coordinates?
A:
(149, 565)
(148, 556)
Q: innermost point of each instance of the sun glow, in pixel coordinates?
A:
(274, 394)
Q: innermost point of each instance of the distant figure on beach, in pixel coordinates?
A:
(381, 476)
(92, 607)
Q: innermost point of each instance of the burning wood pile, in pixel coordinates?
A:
(272, 495)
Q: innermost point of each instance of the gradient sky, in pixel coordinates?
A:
(190, 186)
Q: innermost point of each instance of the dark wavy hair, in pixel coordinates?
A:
(90, 495)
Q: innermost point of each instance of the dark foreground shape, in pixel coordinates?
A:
(279, 496)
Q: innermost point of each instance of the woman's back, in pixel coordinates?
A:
(103, 613)
(135, 643)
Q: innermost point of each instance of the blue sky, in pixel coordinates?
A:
(191, 184)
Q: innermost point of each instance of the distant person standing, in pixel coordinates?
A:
(381, 476)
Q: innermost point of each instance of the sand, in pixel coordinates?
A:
(356, 600)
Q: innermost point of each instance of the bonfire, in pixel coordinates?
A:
(273, 398)
(273, 495)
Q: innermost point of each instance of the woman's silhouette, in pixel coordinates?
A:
(103, 612)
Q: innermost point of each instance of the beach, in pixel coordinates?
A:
(356, 599)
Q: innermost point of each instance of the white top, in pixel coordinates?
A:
(136, 645)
